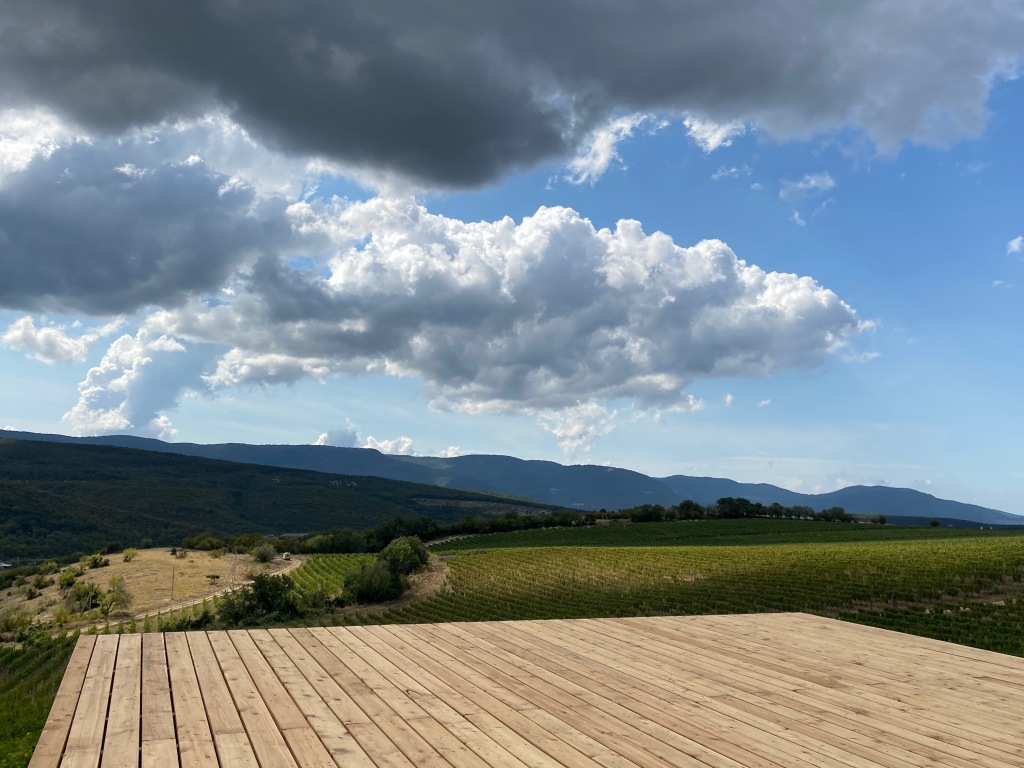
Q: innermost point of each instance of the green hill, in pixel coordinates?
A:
(58, 499)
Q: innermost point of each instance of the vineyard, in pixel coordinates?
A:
(327, 573)
(29, 678)
(709, 532)
(877, 579)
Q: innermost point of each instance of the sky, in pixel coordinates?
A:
(778, 242)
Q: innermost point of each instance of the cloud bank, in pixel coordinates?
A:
(460, 93)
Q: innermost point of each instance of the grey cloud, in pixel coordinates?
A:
(457, 93)
(108, 227)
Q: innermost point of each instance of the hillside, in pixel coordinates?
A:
(585, 487)
(58, 499)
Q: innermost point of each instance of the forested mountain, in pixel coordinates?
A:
(58, 499)
(575, 486)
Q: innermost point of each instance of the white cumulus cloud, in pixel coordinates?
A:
(1016, 245)
(399, 446)
(51, 343)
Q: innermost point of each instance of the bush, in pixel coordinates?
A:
(264, 553)
(96, 560)
(13, 619)
(375, 583)
(405, 555)
(129, 554)
(268, 598)
(83, 597)
(67, 579)
(118, 598)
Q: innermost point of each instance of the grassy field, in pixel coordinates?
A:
(148, 578)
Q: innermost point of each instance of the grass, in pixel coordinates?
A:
(148, 578)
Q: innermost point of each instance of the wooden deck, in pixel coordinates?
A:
(757, 690)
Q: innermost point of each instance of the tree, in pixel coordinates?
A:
(405, 555)
(118, 598)
(264, 553)
(934, 522)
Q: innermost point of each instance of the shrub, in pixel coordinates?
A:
(82, 597)
(129, 554)
(13, 619)
(405, 555)
(118, 598)
(264, 553)
(67, 579)
(375, 583)
(268, 598)
(50, 566)
(96, 560)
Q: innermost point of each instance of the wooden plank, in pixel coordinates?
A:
(157, 707)
(437, 681)
(332, 733)
(122, 739)
(478, 689)
(85, 740)
(398, 730)
(637, 730)
(267, 741)
(50, 746)
(192, 729)
(229, 736)
(830, 703)
(432, 701)
(834, 712)
(539, 706)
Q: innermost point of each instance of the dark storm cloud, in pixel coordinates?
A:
(455, 93)
(85, 229)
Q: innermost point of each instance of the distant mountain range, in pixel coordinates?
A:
(584, 487)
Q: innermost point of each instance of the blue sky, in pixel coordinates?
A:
(834, 297)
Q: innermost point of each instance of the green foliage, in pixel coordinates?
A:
(13, 619)
(129, 554)
(118, 597)
(96, 560)
(67, 579)
(328, 573)
(711, 532)
(405, 555)
(30, 675)
(992, 626)
(83, 596)
(268, 599)
(264, 553)
(58, 499)
(374, 583)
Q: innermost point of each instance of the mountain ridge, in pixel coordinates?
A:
(582, 486)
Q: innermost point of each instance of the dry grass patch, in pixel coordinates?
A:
(148, 578)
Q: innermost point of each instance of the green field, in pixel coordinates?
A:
(710, 532)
